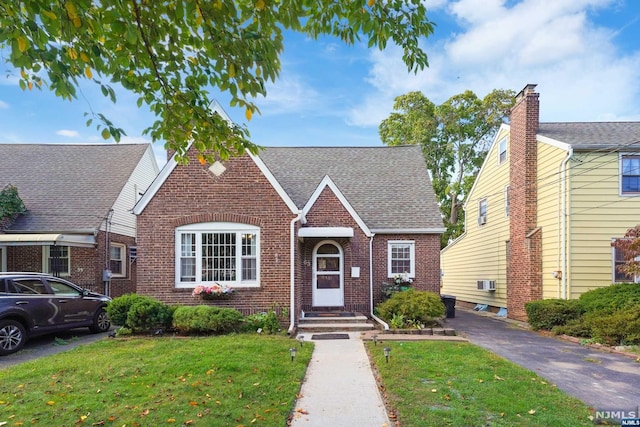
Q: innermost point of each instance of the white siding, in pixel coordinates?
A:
(123, 220)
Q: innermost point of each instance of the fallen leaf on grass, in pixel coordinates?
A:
(532, 411)
(496, 377)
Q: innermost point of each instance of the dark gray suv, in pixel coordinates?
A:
(36, 304)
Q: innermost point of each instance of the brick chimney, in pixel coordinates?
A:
(524, 250)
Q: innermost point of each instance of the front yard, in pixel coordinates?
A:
(250, 380)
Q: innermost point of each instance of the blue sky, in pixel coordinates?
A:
(583, 54)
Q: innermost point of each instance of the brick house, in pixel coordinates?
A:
(296, 229)
(78, 222)
(546, 206)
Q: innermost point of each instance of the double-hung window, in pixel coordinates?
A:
(502, 151)
(117, 263)
(401, 257)
(618, 260)
(629, 174)
(56, 260)
(221, 252)
(482, 212)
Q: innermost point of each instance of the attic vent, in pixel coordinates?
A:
(486, 285)
(133, 253)
(217, 168)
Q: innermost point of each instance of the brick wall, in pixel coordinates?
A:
(427, 252)
(191, 194)
(86, 265)
(524, 273)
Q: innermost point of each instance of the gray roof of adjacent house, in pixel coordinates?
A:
(594, 135)
(66, 187)
(388, 187)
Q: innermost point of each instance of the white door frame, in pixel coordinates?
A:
(328, 297)
(3, 258)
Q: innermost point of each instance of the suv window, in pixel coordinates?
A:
(61, 288)
(26, 286)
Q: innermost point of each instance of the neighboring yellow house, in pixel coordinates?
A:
(546, 206)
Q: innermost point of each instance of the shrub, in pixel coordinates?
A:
(621, 327)
(575, 328)
(611, 298)
(413, 306)
(267, 321)
(118, 309)
(549, 313)
(207, 319)
(148, 314)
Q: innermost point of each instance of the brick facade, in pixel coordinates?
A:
(242, 194)
(86, 264)
(191, 194)
(524, 272)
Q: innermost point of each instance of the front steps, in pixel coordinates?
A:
(334, 322)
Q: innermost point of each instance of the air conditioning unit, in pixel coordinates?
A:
(482, 220)
(486, 285)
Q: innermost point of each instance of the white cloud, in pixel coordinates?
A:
(288, 94)
(68, 133)
(581, 73)
(3, 105)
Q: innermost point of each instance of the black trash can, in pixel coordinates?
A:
(449, 302)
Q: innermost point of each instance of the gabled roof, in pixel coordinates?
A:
(67, 187)
(388, 187)
(594, 135)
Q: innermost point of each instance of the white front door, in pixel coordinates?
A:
(328, 277)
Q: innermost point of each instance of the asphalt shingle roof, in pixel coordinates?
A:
(389, 187)
(66, 187)
(594, 135)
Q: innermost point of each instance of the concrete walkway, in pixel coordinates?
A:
(339, 389)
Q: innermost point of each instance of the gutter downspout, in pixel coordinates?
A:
(563, 224)
(292, 271)
(385, 326)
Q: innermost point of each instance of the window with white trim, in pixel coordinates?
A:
(482, 212)
(117, 258)
(401, 257)
(56, 260)
(502, 151)
(618, 260)
(629, 174)
(220, 252)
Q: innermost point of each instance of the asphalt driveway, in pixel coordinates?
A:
(50, 344)
(603, 380)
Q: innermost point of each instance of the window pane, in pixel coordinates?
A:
(249, 269)
(218, 257)
(58, 260)
(328, 281)
(400, 259)
(248, 245)
(115, 263)
(328, 249)
(188, 257)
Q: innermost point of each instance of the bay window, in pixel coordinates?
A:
(222, 252)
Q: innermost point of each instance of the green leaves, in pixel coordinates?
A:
(170, 53)
(454, 136)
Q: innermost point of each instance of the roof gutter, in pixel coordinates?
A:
(563, 224)
(292, 272)
(385, 326)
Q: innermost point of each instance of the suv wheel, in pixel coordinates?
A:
(12, 336)
(101, 322)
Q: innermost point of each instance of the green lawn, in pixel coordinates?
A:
(431, 383)
(250, 380)
(228, 380)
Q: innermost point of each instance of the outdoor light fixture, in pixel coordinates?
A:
(375, 339)
(387, 353)
(293, 351)
(301, 339)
